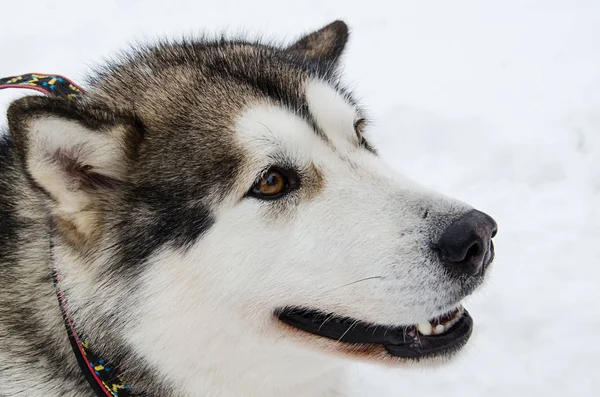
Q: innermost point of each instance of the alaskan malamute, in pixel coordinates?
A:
(210, 219)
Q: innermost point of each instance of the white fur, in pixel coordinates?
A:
(101, 150)
(49, 135)
(333, 114)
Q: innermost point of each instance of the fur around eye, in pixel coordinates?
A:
(273, 184)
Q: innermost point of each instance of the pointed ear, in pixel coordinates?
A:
(325, 45)
(77, 154)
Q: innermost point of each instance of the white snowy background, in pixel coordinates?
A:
(495, 102)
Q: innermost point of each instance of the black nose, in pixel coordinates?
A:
(466, 245)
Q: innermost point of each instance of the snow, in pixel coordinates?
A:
(497, 103)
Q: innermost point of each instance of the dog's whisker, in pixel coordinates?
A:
(418, 337)
(348, 330)
(267, 128)
(358, 281)
(326, 319)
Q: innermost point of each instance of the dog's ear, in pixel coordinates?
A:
(79, 155)
(324, 45)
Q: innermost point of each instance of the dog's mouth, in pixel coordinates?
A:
(441, 336)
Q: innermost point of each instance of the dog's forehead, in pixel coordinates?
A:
(195, 83)
(324, 122)
(199, 102)
(201, 75)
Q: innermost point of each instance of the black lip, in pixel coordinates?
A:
(405, 342)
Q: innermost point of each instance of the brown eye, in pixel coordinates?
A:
(359, 126)
(273, 184)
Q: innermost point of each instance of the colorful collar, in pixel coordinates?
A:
(103, 378)
(49, 84)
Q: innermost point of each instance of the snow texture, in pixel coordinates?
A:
(495, 102)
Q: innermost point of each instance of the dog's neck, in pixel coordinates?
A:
(103, 376)
(229, 362)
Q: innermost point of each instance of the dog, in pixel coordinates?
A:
(211, 219)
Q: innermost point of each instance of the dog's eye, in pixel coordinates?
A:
(359, 126)
(273, 184)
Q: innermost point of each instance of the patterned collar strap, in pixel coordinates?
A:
(49, 84)
(103, 377)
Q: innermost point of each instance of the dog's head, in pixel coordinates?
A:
(229, 188)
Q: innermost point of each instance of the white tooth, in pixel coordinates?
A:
(454, 319)
(424, 328)
(439, 329)
(450, 322)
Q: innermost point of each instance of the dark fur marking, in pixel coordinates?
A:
(282, 92)
(94, 118)
(160, 217)
(324, 45)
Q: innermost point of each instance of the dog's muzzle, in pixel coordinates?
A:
(465, 250)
